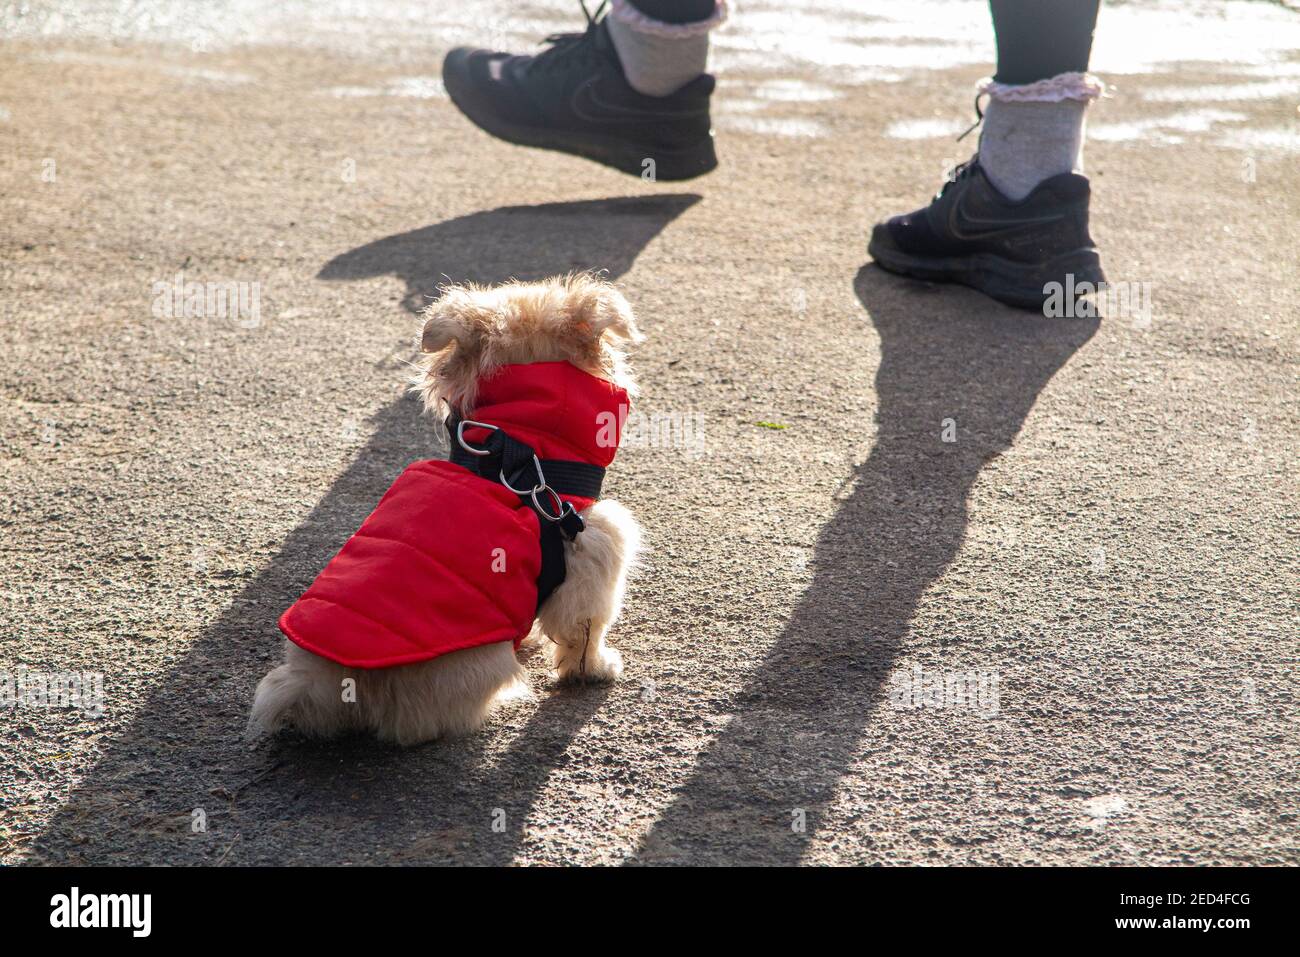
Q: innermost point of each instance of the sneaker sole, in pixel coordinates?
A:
(1016, 284)
(669, 165)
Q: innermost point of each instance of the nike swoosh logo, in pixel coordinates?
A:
(959, 221)
(588, 106)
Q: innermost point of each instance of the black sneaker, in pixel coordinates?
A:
(972, 234)
(573, 98)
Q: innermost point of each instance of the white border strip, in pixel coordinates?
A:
(1063, 86)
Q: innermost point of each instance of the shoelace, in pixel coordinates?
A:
(959, 172)
(565, 45)
(962, 170)
(979, 118)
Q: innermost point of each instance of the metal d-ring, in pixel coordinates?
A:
(541, 480)
(460, 437)
(562, 507)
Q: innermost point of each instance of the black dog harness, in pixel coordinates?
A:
(539, 483)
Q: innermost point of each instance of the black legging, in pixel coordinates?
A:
(1041, 38)
(1036, 38)
(675, 11)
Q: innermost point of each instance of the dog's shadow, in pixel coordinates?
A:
(945, 354)
(348, 801)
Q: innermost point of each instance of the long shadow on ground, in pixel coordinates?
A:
(347, 801)
(800, 721)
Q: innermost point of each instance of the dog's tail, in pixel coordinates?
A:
(273, 703)
(288, 697)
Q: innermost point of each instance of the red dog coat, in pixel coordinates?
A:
(449, 560)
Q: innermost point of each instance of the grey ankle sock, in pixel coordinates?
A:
(1024, 143)
(660, 58)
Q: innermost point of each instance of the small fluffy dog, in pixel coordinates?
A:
(479, 345)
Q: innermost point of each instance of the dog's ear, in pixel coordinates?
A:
(456, 318)
(440, 331)
(603, 309)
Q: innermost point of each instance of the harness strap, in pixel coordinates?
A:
(514, 459)
(515, 465)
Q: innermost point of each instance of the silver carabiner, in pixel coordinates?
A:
(541, 480)
(460, 436)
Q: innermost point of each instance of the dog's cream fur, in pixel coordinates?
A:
(469, 332)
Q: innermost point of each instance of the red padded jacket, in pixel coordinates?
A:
(449, 560)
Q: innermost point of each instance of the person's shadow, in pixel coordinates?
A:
(514, 242)
(178, 785)
(945, 354)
